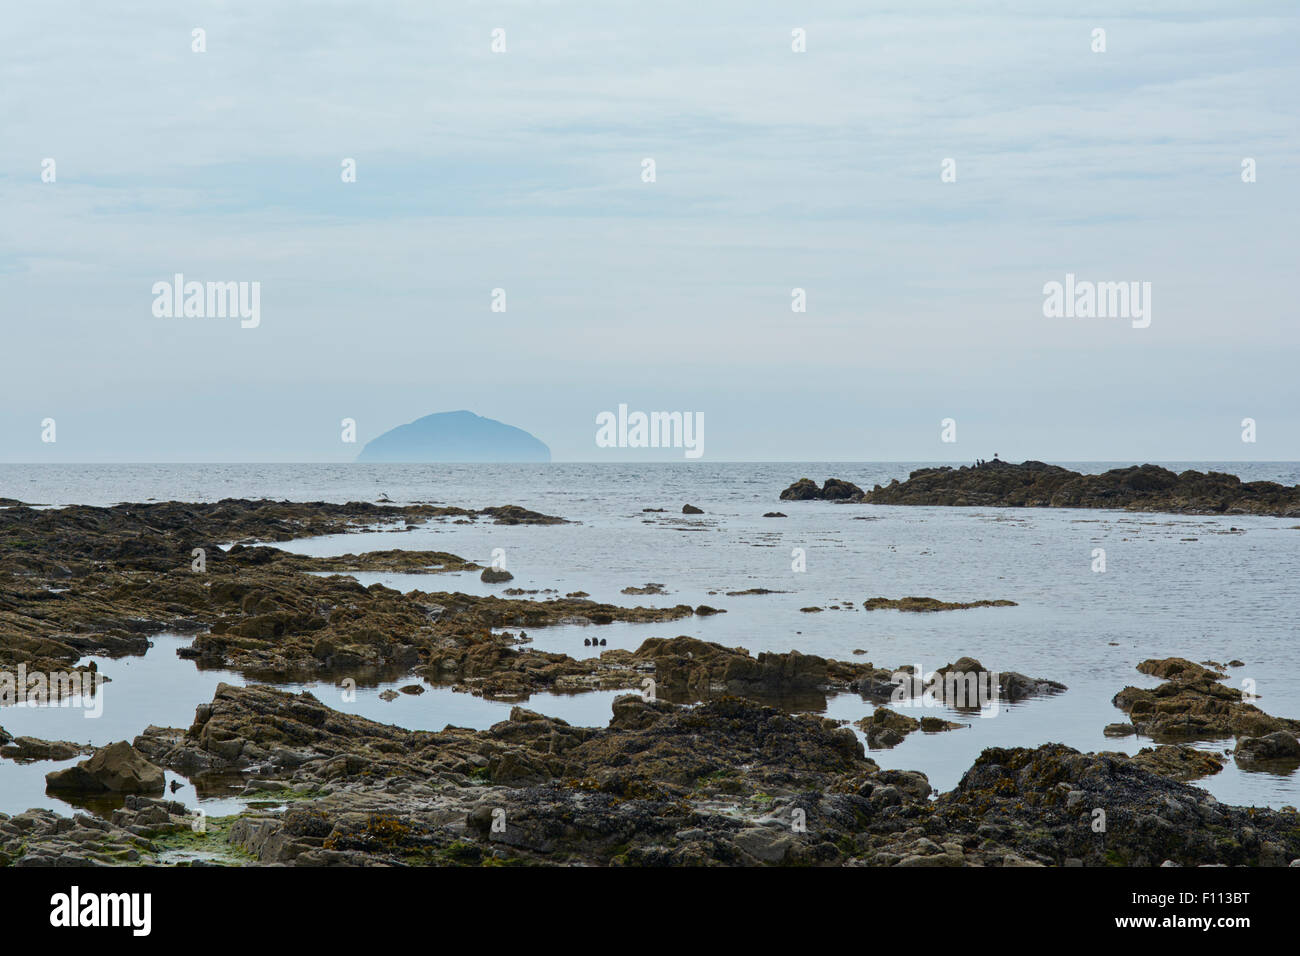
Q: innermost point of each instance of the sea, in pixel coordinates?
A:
(1200, 587)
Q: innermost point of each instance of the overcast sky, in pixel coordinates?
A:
(775, 170)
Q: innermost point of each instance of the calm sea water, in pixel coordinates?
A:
(1174, 585)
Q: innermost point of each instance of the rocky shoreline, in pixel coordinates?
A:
(710, 762)
(1033, 484)
(727, 782)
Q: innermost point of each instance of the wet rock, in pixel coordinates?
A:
(495, 575)
(649, 588)
(966, 683)
(633, 712)
(33, 748)
(692, 510)
(126, 573)
(118, 768)
(1033, 484)
(713, 784)
(1150, 817)
(764, 843)
(1280, 745)
(1193, 705)
(886, 728)
(805, 489)
(689, 664)
(924, 604)
(1180, 762)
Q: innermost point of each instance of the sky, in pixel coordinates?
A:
(775, 170)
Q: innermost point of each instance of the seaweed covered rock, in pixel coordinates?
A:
(1034, 484)
(685, 665)
(928, 604)
(1280, 746)
(805, 489)
(1192, 704)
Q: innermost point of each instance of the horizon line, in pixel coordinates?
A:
(651, 461)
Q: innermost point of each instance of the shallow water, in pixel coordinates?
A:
(1227, 594)
(162, 689)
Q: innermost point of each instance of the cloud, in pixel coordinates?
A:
(775, 170)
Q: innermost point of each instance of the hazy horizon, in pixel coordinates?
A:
(1119, 462)
(775, 170)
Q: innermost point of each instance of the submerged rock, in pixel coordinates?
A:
(33, 748)
(886, 728)
(926, 604)
(649, 588)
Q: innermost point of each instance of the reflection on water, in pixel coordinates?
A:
(163, 689)
(1188, 586)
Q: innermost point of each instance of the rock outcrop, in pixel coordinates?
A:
(925, 604)
(1192, 704)
(805, 489)
(1034, 484)
(117, 768)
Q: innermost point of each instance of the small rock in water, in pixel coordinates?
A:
(118, 768)
(495, 575)
(692, 510)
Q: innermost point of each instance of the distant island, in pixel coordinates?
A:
(1033, 484)
(455, 437)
